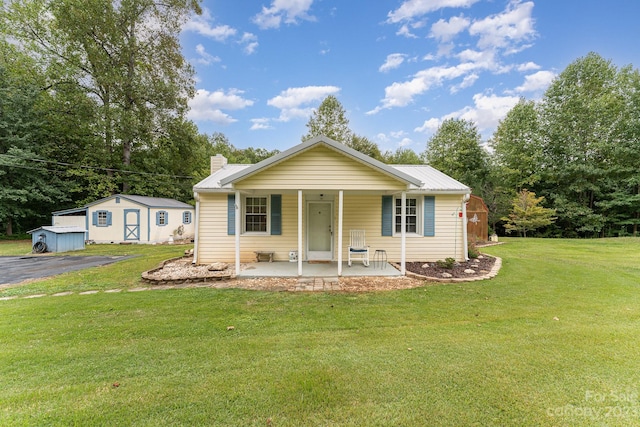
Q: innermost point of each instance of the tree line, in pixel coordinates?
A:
(577, 149)
(93, 102)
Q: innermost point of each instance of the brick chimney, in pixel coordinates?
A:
(217, 162)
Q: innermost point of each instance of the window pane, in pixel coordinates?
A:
(256, 214)
(102, 218)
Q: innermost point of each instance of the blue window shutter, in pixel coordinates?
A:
(387, 215)
(157, 218)
(276, 214)
(94, 219)
(231, 214)
(429, 216)
(108, 219)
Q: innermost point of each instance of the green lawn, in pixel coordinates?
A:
(553, 340)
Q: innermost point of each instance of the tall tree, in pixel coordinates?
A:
(125, 54)
(455, 150)
(330, 120)
(579, 115)
(365, 146)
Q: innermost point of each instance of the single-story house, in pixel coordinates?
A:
(131, 219)
(310, 197)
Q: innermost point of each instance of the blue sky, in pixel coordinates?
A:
(398, 67)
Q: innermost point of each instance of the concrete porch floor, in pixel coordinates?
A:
(316, 269)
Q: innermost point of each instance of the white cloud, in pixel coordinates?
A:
(402, 94)
(406, 32)
(291, 101)
(529, 66)
(205, 58)
(445, 31)
(405, 142)
(536, 81)
(488, 110)
(287, 11)
(468, 81)
(394, 60)
(203, 25)
(261, 124)
(411, 9)
(429, 126)
(486, 113)
(506, 30)
(250, 42)
(208, 106)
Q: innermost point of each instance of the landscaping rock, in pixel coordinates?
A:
(469, 271)
(446, 275)
(218, 266)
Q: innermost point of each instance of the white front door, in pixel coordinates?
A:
(320, 231)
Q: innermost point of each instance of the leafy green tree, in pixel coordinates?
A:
(330, 120)
(516, 147)
(28, 188)
(527, 214)
(578, 122)
(402, 156)
(126, 55)
(365, 146)
(455, 150)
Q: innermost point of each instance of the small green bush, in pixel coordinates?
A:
(448, 263)
(473, 251)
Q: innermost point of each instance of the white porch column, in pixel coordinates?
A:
(403, 234)
(465, 249)
(238, 230)
(197, 221)
(299, 232)
(340, 208)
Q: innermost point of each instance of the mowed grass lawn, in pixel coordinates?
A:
(553, 340)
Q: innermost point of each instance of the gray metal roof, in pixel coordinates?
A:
(151, 202)
(59, 229)
(310, 143)
(433, 180)
(212, 182)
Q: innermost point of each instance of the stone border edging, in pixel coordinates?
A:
(490, 275)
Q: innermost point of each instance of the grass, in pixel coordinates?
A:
(120, 275)
(552, 340)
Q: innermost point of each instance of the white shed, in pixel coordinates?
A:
(131, 219)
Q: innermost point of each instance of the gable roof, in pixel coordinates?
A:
(423, 178)
(150, 202)
(313, 142)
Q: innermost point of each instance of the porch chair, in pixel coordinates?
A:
(358, 248)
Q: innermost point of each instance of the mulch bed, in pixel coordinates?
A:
(481, 265)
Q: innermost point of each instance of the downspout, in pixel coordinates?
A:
(340, 215)
(403, 235)
(299, 233)
(196, 196)
(238, 230)
(465, 249)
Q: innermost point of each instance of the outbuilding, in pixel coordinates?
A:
(57, 239)
(124, 218)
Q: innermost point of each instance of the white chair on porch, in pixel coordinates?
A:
(358, 248)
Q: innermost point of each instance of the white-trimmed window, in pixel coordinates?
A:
(413, 215)
(162, 218)
(186, 217)
(103, 219)
(256, 214)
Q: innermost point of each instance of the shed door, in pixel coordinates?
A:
(132, 224)
(319, 231)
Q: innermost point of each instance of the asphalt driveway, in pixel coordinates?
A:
(16, 269)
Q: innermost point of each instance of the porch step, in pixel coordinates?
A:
(318, 284)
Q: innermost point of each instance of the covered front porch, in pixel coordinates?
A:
(316, 269)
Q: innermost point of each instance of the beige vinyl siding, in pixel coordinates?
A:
(320, 168)
(360, 212)
(215, 245)
(447, 242)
